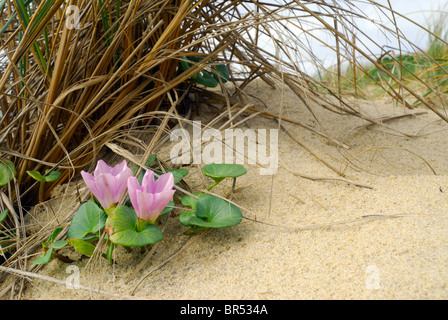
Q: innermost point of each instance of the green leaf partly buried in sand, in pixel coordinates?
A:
(185, 216)
(121, 226)
(190, 201)
(212, 212)
(7, 172)
(59, 244)
(89, 218)
(49, 245)
(53, 235)
(44, 258)
(82, 247)
(219, 171)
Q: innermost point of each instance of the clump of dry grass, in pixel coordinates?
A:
(67, 93)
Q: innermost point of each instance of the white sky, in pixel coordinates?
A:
(420, 11)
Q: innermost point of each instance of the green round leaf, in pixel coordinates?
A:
(45, 258)
(7, 172)
(81, 246)
(189, 201)
(214, 212)
(53, 236)
(121, 226)
(219, 171)
(59, 244)
(184, 217)
(89, 218)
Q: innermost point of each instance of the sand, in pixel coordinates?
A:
(385, 238)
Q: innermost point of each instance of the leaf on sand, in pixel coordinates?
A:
(212, 212)
(44, 258)
(219, 171)
(89, 218)
(82, 247)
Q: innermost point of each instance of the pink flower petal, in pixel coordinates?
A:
(133, 187)
(106, 185)
(87, 177)
(162, 199)
(164, 182)
(119, 168)
(121, 180)
(91, 184)
(149, 204)
(145, 201)
(148, 181)
(102, 167)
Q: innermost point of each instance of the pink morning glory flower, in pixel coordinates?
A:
(151, 197)
(108, 184)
